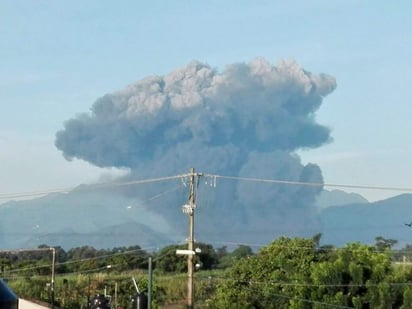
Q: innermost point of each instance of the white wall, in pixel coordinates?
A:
(25, 304)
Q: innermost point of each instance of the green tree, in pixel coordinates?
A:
(356, 276)
(407, 298)
(383, 244)
(168, 261)
(207, 258)
(242, 251)
(294, 273)
(267, 279)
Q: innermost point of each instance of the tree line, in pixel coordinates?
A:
(287, 273)
(88, 259)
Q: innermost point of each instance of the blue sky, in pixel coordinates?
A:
(58, 57)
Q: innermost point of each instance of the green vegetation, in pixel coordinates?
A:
(293, 273)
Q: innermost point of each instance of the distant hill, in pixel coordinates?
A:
(364, 222)
(152, 215)
(107, 219)
(338, 198)
(82, 218)
(106, 237)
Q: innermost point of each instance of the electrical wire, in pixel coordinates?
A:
(310, 285)
(163, 193)
(16, 251)
(284, 296)
(213, 177)
(88, 187)
(311, 301)
(222, 243)
(311, 184)
(105, 256)
(67, 262)
(144, 250)
(265, 282)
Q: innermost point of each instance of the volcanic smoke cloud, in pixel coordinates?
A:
(247, 120)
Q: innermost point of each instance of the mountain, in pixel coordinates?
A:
(338, 198)
(107, 237)
(82, 217)
(108, 219)
(364, 222)
(151, 215)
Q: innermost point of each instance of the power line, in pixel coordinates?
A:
(213, 178)
(16, 251)
(87, 188)
(105, 256)
(311, 184)
(141, 259)
(313, 285)
(284, 296)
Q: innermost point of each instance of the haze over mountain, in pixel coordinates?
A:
(106, 220)
(331, 198)
(365, 221)
(81, 218)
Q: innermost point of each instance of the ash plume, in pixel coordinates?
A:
(247, 120)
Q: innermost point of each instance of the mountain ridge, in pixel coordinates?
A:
(106, 220)
(365, 222)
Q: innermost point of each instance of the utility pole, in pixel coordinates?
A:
(149, 289)
(53, 276)
(189, 209)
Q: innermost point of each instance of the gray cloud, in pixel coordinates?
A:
(248, 120)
